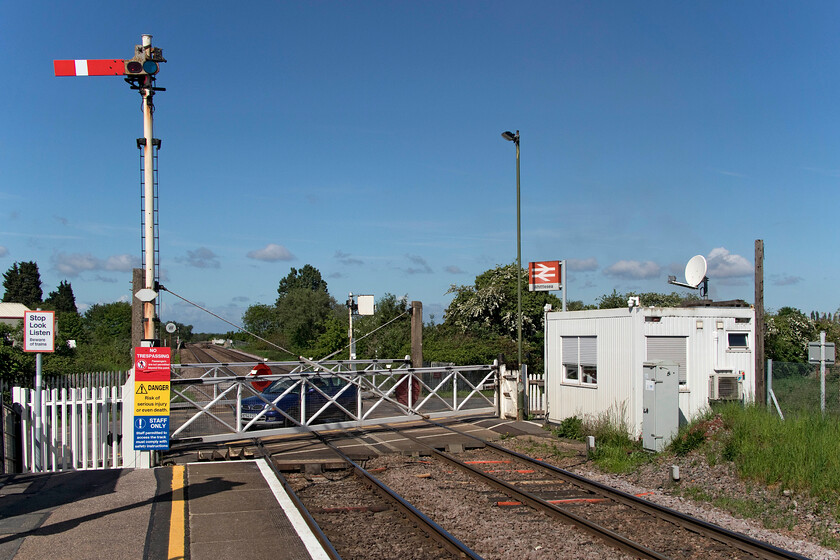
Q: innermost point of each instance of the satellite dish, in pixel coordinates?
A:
(171, 327)
(695, 270)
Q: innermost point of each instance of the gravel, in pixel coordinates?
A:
(785, 520)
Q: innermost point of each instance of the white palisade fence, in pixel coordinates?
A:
(81, 428)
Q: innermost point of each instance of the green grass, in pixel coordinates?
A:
(800, 453)
(615, 451)
(798, 394)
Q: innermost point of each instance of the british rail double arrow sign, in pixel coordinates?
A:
(544, 276)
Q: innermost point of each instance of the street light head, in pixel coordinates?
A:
(510, 136)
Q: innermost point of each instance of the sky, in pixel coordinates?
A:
(364, 139)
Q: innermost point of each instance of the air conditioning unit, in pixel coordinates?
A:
(724, 386)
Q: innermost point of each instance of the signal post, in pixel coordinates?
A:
(139, 72)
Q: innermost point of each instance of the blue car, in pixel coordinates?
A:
(290, 403)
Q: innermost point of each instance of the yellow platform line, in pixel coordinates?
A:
(177, 520)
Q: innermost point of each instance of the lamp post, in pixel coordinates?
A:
(511, 137)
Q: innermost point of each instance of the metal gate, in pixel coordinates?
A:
(220, 402)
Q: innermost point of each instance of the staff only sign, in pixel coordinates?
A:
(151, 398)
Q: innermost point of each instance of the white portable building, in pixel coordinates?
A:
(595, 360)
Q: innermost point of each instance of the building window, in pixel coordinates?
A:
(738, 340)
(668, 349)
(580, 360)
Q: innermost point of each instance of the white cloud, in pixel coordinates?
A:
(723, 264)
(634, 269)
(779, 280)
(582, 265)
(201, 258)
(453, 269)
(3, 251)
(271, 252)
(74, 264)
(122, 263)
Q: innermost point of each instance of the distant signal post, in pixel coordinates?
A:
(139, 72)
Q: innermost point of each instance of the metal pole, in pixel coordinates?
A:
(148, 196)
(518, 262)
(563, 280)
(36, 444)
(822, 372)
(350, 303)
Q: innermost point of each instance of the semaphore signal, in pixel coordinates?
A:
(139, 71)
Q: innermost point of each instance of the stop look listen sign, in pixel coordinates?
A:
(39, 331)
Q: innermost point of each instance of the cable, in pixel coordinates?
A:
(243, 329)
(163, 288)
(406, 312)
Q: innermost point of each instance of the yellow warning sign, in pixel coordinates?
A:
(151, 398)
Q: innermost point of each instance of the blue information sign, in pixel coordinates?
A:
(151, 432)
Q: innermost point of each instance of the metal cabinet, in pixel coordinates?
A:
(660, 404)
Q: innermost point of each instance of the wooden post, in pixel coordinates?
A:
(137, 284)
(760, 381)
(417, 334)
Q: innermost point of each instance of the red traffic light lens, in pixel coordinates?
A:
(133, 67)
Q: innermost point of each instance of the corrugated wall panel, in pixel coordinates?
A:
(621, 350)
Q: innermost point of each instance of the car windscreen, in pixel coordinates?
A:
(280, 386)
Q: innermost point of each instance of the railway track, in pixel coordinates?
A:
(478, 496)
(487, 502)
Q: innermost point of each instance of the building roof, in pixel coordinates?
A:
(12, 310)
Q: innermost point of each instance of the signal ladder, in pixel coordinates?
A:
(141, 143)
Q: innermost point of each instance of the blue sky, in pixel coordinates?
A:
(363, 138)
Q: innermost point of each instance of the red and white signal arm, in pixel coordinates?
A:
(544, 276)
(39, 331)
(89, 67)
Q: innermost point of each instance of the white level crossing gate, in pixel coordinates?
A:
(91, 428)
(215, 403)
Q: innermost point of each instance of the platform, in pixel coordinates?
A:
(198, 511)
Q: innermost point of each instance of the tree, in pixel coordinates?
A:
(109, 321)
(393, 341)
(62, 300)
(303, 308)
(261, 319)
(16, 366)
(788, 333)
(308, 278)
(22, 283)
(488, 309)
(490, 304)
(617, 301)
(303, 315)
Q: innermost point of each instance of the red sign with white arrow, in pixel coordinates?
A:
(544, 276)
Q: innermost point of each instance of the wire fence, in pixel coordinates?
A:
(798, 388)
